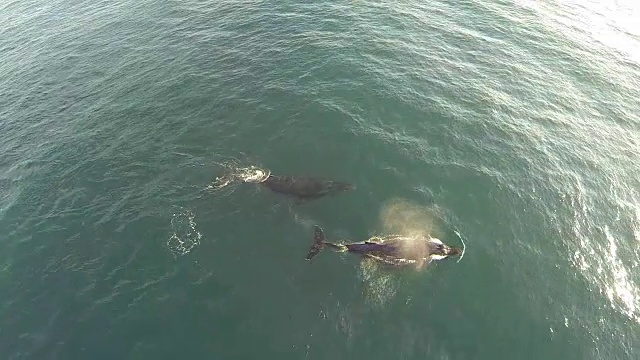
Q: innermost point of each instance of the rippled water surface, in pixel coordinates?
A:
(514, 123)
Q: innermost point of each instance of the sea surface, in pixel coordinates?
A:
(510, 125)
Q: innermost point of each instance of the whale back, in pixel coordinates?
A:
(305, 187)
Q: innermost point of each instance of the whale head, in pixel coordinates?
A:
(453, 251)
(438, 250)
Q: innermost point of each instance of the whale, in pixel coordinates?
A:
(394, 250)
(300, 187)
(305, 188)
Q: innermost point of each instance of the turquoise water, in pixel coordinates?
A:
(515, 123)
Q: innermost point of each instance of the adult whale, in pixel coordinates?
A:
(396, 250)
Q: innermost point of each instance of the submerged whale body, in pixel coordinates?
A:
(394, 250)
(305, 187)
(300, 187)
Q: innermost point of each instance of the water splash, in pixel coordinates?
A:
(185, 236)
(248, 174)
(464, 246)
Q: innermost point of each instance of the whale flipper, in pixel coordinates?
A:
(319, 242)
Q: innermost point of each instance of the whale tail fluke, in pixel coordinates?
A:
(318, 242)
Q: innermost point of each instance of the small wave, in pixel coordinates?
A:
(9, 192)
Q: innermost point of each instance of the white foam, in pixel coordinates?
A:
(185, 236)
(249, 174)
(252, 174)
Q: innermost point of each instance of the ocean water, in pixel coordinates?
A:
(513, 123)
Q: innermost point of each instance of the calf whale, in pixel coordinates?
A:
(300, 187)
(396, 250)
(305, 187)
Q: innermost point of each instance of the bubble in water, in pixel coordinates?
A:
(379, 286)
(185, 236)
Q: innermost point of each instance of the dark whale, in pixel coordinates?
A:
(393, 250)
(305, 188)
(300, 187)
